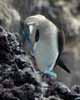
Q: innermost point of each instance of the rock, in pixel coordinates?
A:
(66, 21)
(77, 98)
(15, 23)
(5, 18)
(75, 89)
(62, 91)
(9, 17)
(12, 75)
(75, 7)
(58, 89)
(53, 98)
(24, 7)
(8, 83)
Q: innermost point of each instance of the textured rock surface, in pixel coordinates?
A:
(9, 17)
(18, 80)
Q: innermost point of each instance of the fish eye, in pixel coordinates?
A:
(37, 35)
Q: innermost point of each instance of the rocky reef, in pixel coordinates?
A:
(17, 79)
